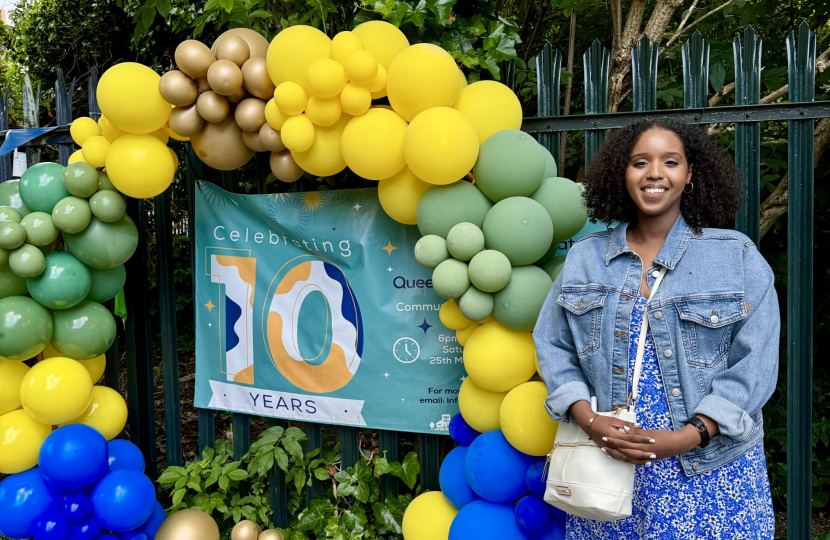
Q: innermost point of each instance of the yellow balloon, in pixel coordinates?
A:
(400, 194)
(361, 67)
(129, 96)
(173, 135)
(490, 106)
(462, 335)
(77, 155)
(95, 367)
(108, 130)
(378, 84)
(107, 412)
(462, 82)
(82, 129)
(421, 77)
(292, 51)
(373, 144)
(385, 41)
(479, 408)
(140, 166)
(441, 145)
(428, 517)
(355, 99)
(344, 44)
(11, 375)
(298, 133)
(525, 421)
(95, 150)
(56, 390)
(161, 135)
(326, 78)
(498, 359)
(20, 439)
(323, 112)
(451, 316)
(274, 116)
(290, 98)
(324, 157)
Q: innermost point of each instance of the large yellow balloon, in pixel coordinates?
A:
(298, 133)
(95, 367)
(441, 145)
(428, 517)
(82, 129)
(11, 375)
(400, 194)
(107, 412)
(498, 359)
(525, 421)
(490, 106)
(450, 316)
(20, 439)
(324, 157)
(479, 408)
(95, 150)
(421, 77)
(129, 96)
(140, 166)
(373, 144)
(56, 390)
(384, 40)
(292, 51)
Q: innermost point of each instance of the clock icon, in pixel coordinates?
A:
(406, 350)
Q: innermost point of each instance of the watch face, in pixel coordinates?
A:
(406, 350)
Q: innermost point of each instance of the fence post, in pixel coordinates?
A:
(695, 54)
(349, 445)
(644, 75)
(279, 491)
(508, 74)
(596, 61)
(31, 118)
(315, 440)
(801, 62)
(548, 76)
(430, 461)
(388, 442)
(6, 160)
(63, 110)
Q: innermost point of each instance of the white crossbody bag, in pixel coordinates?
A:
(582, 480)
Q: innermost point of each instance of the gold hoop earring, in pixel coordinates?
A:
(689, 184)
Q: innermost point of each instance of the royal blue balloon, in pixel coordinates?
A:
(556, 530)
(124, 455)
(52, 526)
(461, 432)
(23, 498)
(156, 519)
(482, 520)
(134, 535)
(533, 515)
(88, 530)
(534, 479)
(73, 457)
(109, 537)
(76, 507)
(123, 500)
(495, 470)
(453, 481)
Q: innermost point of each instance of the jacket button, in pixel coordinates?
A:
(658, 314)
(667, 353)
(696, 465)
(675, 392)
(714, 319)
(655, 274)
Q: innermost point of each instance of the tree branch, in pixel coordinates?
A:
(682, 26)
(681, 30)
(721, 94)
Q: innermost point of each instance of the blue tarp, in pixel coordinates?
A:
(19, 137)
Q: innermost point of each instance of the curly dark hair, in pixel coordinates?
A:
(712, 203)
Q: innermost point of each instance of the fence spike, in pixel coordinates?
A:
(747, 56)
(548, 79)
(644, 74)
(92, 90)
(6, 160)
(695, 54)
(596, 60)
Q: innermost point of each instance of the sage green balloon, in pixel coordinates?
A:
(450, 279)
(104, 245)
(554, 266)
(7, 213)
(509, 165)
(104, 182)
(550, 163)
(108, 206)
(442, 207)
(517, 306)
(490, 271)
(106, 283)
(562, 198)
(83, 331)
(40, 231)
(4, 256)
(431, 250)
(71, 214)
(25, 328)
(41, 187)
(64, 282)
(520, 228)
(464, 241)
(12, 235)
(27, 261)
(10, 196)
(80, 179)
(475, 304)
(10, 283)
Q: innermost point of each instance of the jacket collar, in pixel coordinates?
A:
(669, 254)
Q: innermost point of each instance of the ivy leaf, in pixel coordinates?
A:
(315, 517)
(178, 496)
(442, 10)
(282, 458)
(321, 474)
(407, 471)
(382, 466)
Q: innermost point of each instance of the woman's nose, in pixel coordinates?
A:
(655, 170)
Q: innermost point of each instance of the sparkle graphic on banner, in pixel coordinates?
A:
(425, 326)
(389, 269)
(209, 305)
(389, 248)
(357, 207)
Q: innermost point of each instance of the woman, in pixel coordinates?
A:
(711, 358)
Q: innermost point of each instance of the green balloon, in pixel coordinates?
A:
(108, 206)
(41, 187)
(4, 256)
(10, 283)
(10, 196)
(431, 250)
(40, 231)
(104, 245)
(442, 207)
(464, 241)
(83, 331)
(517, 306)
(450, 279)
(7, 213)
(550, 163)
(27, 261)
(71, 215)
(554, 266)
(80, 179)
(562, 199)
(106, 283)
(104, 183)
(520, 228)
(12, 235)
(475, 304)
(25, 328)
(509, 165)
(490, 271)
(64, 282)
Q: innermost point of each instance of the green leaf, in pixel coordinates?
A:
(195, 486)
(232, 466)
(208, 453)
(321, 474)
(407, 471)
(315, 517)
(163, 7)
(260, 14)
(282, 458)
(178, 496)
(271, 435)
(148, 13)
(238, 475)
(292, 447)
(299, 479)
(223, 482)
(227, 5)
(381, 466)
(171, 474)
(717, 75)
(296, 433)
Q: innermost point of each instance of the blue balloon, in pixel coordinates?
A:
(52, 526)
(109, 537)
(482, 520)
(453, 481)
(534, 479)
(73, 457)
(134, 535)
(76, 507)
(123, 500)
(533, 515)
(88, 530)
(495, 470)
(23, 498)
(461, 432)
(556, 530)
(156, 519)
(124, 455)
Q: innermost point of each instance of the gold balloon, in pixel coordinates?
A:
(284, 167)
(245, 530)
(256, 43)
(178, 89)
(188, 524)
(252, 141)
(185, 121)
(256, 79)
(202, 84)
(212, 107)
(194, 58)
(270, 138)
(224, 77)
(250, 114)
(220, 145)
(233, 48)
(271, 534)
(238, 96)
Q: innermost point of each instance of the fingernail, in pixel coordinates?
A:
(637, 424)
(605, 439)
(652, 441)
(652, 456)
(627, 428)
(608, 456)
(603, 449)
(648, 463)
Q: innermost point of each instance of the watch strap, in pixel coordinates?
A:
(700, 426)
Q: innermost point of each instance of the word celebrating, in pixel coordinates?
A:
(274, 239)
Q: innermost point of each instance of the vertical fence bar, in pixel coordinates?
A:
(6, 160)
(801, 62)
(644, 75)
(748, 136)
(63, 110)
(388, 442)
(92, 90)
(596, 60)
(315, 440)
(31, 119)
(430, 460)
(548, 76)
(241, 435)
(349, 445)
(695, 72)
(508, 74)
(278, 490)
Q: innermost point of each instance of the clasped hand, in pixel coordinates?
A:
(628, 442)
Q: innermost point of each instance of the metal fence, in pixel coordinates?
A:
(800, 113)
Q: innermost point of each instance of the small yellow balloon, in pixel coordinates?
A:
(129, 96)
(440, 146)
(21, 437)
(324, 157)
(361, 67)
(292, 51)
(140, 166)
(462, 82)
(420, 78)
(77, 155)
(11, 375)
(326, 78)
(274, 116)
(450, 316)
(108, 130)
(82, 129)
(298, 133)
(385, 41)
(355, 99)
(373, 144)
(95, 150)
(173, 135)
(161, 135)
(323, 112)
(400, 194)
(525, 421)
(428, 517)
(462, 335)
(95, 367)
(344, 44)
(290, 98)
(107, 412)
(490, 106)
(378, 84)
(479, 408)
(485, 354)
(56, 390)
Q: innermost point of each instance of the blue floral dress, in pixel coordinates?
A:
(728, 503)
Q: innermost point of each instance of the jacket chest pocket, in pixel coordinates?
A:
(584, 312)
(706, 326)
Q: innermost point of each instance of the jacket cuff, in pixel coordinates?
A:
(733, 422)
(563, 397)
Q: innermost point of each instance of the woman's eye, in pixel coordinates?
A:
(640, 163)
(671, 163)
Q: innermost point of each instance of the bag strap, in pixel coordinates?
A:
(641, 343)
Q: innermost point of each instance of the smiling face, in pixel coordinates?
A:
(658, 171)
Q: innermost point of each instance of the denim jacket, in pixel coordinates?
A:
(714, 321)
